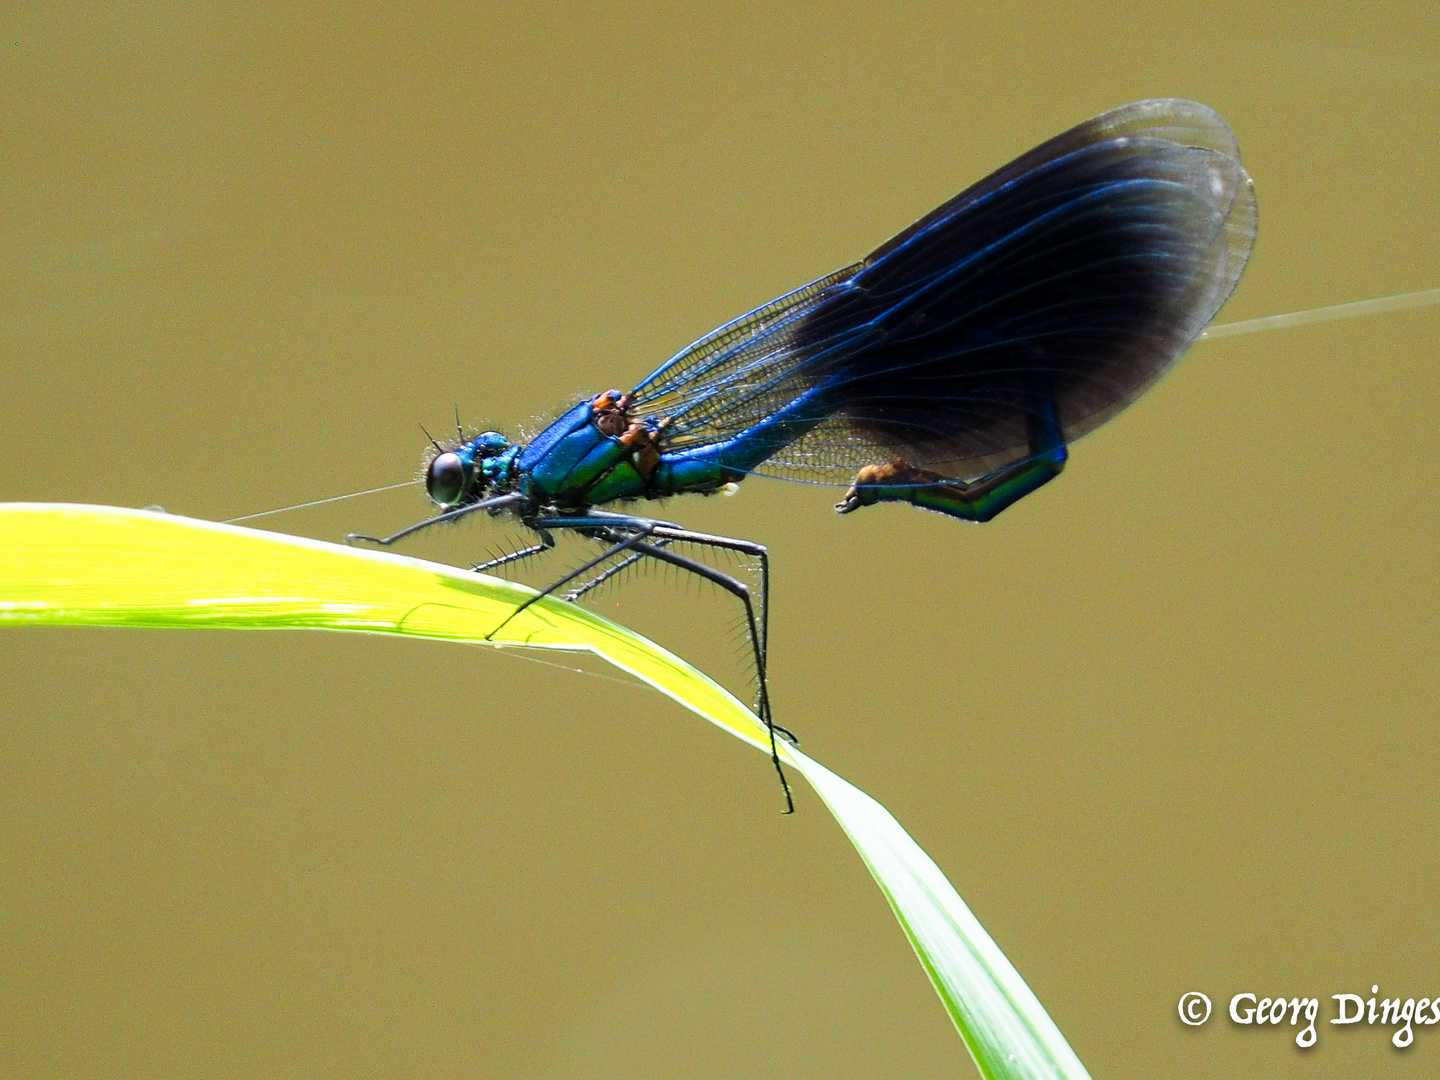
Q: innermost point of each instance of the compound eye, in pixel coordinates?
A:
(445, 479)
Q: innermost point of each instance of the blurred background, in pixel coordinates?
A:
(1168, 725)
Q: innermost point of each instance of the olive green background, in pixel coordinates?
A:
(1169, 725)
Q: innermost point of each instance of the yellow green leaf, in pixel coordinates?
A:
(106, 566)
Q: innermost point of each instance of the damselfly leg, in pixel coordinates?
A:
(519, 555)
(643, 538)
(646, 538)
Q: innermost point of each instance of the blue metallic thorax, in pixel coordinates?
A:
(572, 463)
(595, 454)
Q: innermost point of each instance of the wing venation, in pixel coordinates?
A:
(1079, 273)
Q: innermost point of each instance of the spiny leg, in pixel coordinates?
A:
(741, 590)
(546, 543)
(602, 522)
(449, 515)
(762, 558)
(761, 555)
(605, 575)
(760, 640)
(664, 530)
(610, 526)
(610, 552)
(670, 531)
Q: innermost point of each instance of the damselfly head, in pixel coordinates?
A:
(468, 472)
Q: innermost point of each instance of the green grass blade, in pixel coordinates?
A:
(1007, 1030)
(76, 565)
(104, 566)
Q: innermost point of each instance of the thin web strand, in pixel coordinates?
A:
(518, 652)
(1398, 302)
(319, 502)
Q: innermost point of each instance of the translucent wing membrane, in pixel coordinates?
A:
(746, 370)
(1076, 275)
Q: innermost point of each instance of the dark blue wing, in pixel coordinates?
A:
(1078, 273)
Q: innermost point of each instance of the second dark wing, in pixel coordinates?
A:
(1080, 272)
